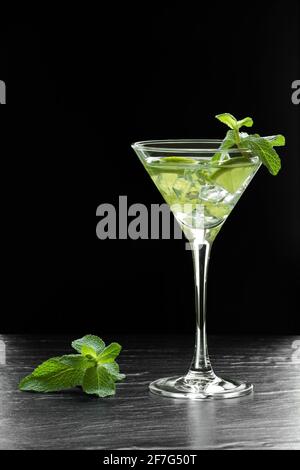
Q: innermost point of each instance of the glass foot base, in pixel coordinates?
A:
(200, 388)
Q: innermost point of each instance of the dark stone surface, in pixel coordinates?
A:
(134, 419)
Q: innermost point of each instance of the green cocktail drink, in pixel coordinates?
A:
(201, 193)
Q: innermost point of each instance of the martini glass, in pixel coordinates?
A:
(201, 184)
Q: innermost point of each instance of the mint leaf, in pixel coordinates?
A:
(91, 341)
(98, 381)
(276, 140)
(113, 369)
(227, 119)
(88, 352)
(265, 151)
(233, 123)
(247, 121)
(75, 360)
(56, 374)
(109, 353)
(94, 369)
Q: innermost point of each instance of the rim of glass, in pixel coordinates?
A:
(169, 145)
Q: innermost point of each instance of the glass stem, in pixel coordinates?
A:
(201, 364)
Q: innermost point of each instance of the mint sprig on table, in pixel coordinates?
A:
(263, 147)
(94, 369)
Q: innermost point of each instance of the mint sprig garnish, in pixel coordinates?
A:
(263, 147)
(94, 369)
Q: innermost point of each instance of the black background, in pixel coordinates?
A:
(80, 89)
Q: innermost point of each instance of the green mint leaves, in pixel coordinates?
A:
(98, 381)
(263, 147)
(94, 369)
(56, 374)
(231, 121)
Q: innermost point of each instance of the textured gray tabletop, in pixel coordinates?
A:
(134, 419)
